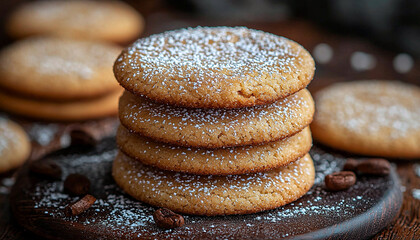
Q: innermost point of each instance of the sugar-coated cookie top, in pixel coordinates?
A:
(371, 107)
(55, 68)
(214, 67)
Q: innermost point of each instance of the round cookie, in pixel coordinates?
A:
(219, 67)
(377, 118)
(96, 20)
(214, 128)
(214, 195)
(106, 105)
(222, 161)
(15, 146)
(58, 69)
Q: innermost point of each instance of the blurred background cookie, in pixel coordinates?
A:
(379, 118)
(91, 108)
(15, 146)
(58, 69)
(96, 20)
(59, 79)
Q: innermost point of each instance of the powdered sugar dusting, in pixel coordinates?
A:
(210, 53)
(266, 121)
(371, 107)
(195, 187)
(207, 161)
(116, 214)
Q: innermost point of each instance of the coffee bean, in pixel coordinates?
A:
(339, 181)
(374, 166)
(351, 165)
(165, 218)
(76, 184)
(79, 206)
(46, 169)
(84, 136)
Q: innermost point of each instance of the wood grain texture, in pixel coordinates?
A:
(358, 213)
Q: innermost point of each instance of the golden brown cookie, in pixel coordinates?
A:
(213, 128)
(96, 20)
(378, 118)
(15, 146)
(214, 195)
(222, 161)
(59, 69)
(219, 67)
(102, 106)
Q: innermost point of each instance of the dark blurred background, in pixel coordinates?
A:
(350, 40)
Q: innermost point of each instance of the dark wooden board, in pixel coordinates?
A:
(357, 213)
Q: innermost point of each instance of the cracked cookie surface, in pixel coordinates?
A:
(214, 195)
(214, 67)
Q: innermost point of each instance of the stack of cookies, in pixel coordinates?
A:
(214, 121)
(59, 79)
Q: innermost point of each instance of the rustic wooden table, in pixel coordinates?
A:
(339, 68)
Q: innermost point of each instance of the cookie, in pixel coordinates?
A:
(219, 67)
(377, 118)
(58, 69)
(95, 20)
(15, 146)
(214, 128)
(214, 195)
(106, 105)
(223, 161)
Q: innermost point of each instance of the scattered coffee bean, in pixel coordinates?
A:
(374, 166)
(84, 136)
(76, 184)
(80, 206)
(46, 169)
(339, 181)
(165, 218)
(351, 165)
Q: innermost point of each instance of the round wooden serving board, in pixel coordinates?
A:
(357, 213)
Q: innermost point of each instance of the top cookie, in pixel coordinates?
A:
(100, 20)
(58, 69)
(220, 67)
(379, 118)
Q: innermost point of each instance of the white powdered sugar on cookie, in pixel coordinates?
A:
(371, 108)
(214, 67)
(214, 195)
(370, 117)
(209, 52)
(217, 127)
